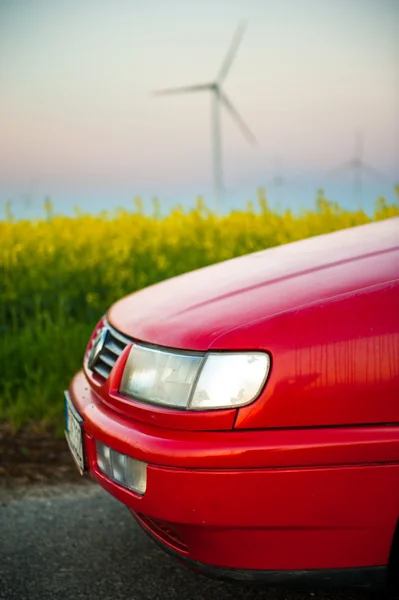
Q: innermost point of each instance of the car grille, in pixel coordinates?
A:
(115, 343)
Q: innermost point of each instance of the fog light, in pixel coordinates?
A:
(124, 470)
(136, 475)
(118, 462)
(104, 459)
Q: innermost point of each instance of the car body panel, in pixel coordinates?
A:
(336, 363)
(192, 311)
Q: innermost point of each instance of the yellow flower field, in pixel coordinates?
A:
(57, 277)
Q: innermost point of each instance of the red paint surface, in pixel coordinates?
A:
(196, 310)
(305, 477)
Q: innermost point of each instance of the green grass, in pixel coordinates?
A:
(37, 362)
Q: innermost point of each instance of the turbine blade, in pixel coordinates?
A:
(245, 130)
(372, 171)
(187, 89)
(357, 165)
(232, 51)
(349, 165)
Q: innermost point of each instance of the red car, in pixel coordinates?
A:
(247, 413)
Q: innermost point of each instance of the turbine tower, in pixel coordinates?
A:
(219, 99)
(358, 167)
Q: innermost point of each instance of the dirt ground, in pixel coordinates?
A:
(31, 455)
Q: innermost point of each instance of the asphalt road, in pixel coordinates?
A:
(76, 542)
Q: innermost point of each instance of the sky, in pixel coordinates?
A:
(78, 120)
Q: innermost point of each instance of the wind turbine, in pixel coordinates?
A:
(279, 180)
(358, 167)
(219, 99)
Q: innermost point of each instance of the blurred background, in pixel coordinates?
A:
(111, 179)
(316, 82)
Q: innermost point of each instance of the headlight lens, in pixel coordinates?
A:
(160, 377)
(192, 381)
(230, 380)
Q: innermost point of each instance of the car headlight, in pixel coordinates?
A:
(192, 381)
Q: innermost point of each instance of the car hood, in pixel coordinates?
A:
(196, 310)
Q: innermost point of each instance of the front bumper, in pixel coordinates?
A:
(233, 502)
(372, 578)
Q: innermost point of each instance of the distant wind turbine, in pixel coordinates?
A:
(219, 98)
(358, 167)
(279, 179)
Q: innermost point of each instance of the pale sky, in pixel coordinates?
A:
(76, 114)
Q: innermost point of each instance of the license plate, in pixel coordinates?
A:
(74, 433)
